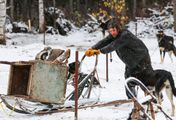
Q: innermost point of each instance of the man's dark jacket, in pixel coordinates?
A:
(128, 47)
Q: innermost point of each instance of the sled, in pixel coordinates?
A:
(144, 105)
(35, 81)
(39, 87)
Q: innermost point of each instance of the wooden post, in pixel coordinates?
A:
(111, 57)
(152, 111)
(136, 27)
(44, 39)
(76, 86)
(29, 25)
(136, 112)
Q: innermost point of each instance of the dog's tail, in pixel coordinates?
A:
(172, 84)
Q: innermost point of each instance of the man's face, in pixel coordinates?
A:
(113, 31)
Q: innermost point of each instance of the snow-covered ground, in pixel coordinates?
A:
(25, 46)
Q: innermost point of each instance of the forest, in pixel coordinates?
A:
(39, 14)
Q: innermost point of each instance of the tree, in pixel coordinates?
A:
(134, 9)
(71, 5)
(112, 8)
(41, 17)
(2, 21)
(54, 5)
(174, 2)
(143, 7)
(11, 9)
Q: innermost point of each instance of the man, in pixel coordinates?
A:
(131, 50)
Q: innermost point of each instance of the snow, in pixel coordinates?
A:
(24, 47)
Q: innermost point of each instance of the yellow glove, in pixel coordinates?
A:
(91, 52)
(96, 52)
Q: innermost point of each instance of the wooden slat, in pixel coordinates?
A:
(116, 102)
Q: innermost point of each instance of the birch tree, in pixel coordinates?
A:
(2, 21)
(41, 16)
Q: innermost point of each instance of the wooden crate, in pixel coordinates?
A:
(40, 81)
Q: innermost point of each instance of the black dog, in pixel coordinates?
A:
(163, 79)
(103, 26)
(156, 82)
(166, 44)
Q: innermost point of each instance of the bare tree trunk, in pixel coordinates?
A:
(54, 5)
(71, 5)
(11, 9)
(41, 17)
(143, 3)
(25, 10)
(134, 9)
(86, 4)
(174, 2)
(33, 12)
(2, 21)
(83, 7)
(143, 7)
(78, 5)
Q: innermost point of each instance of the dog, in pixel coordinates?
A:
(103, 25)
(156, 82)
(163, 79)
(166, 44)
